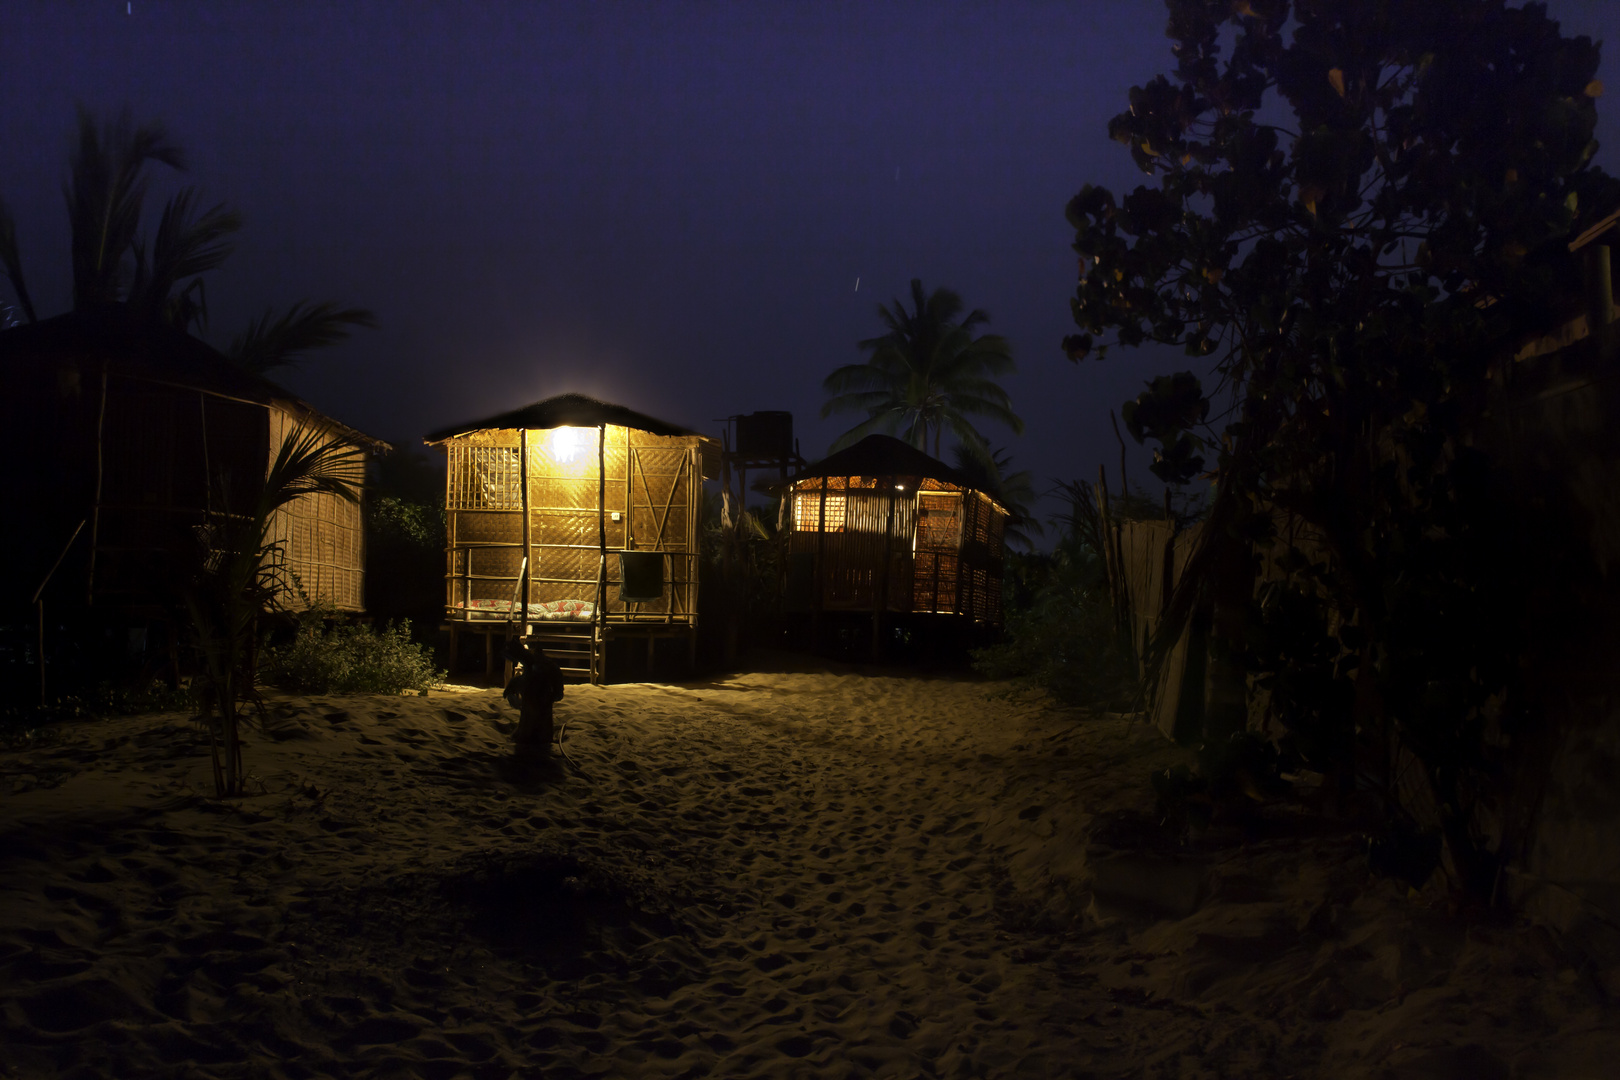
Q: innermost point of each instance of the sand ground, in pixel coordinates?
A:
(802, 871)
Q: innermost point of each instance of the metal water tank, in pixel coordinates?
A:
(765, 435)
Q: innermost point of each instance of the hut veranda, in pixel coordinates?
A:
(883, 529)
(569, 523)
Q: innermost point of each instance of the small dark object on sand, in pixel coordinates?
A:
(533, 692)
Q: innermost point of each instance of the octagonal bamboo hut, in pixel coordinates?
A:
(127, 435)
(571, 522)
(883, 527)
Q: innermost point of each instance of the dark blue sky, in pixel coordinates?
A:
(666, 205)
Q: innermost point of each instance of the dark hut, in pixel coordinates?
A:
(571, 522)
(127, 434)
(883, 527)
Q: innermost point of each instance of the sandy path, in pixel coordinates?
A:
(800, 872)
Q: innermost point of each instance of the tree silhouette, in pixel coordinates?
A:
(929, 373)
(108, 181)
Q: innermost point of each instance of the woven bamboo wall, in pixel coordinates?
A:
(324, 537)
(647, 483)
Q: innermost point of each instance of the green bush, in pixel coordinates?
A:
(1061, 633)
(351, 660)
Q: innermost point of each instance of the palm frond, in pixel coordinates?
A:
(105, 192)
(270, 342)
(310, 461)
(188, 243)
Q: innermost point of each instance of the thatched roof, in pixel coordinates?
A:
(156, 353)
(884, 455)
(565, 410)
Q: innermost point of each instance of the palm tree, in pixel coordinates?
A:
(1015, 491)
(927, 374)
(106, 192)
(241, 572)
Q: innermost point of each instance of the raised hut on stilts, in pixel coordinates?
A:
(570, 523)
(884, 531)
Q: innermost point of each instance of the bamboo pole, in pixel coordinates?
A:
(820, 574)
(601, 543)
(1113, 552)
(208, 484)
(880, 599)
(528, 543)
(693, 486)
(95, 508)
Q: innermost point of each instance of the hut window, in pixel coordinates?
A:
(807, 512)
(484, 478)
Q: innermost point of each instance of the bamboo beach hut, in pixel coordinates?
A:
(126, 436)
(569, 523)
(883, 528)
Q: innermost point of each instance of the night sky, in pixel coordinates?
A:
(664, 205)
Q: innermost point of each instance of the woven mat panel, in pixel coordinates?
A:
(494, 562)
(486, 527)
(544, 592)
(578, 528)
(549, 493)
(574, 564)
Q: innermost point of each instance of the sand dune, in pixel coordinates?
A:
(801, 872)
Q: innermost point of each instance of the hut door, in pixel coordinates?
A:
(939, 539)
(660, 484)
(660, 519)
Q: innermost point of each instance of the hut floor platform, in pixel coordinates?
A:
(580, 649)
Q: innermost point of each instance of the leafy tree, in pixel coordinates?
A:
(930, 371)
(1355, 214)
(106, 195)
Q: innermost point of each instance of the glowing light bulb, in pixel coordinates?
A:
(567, 442)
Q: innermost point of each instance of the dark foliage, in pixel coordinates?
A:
(1353, 273)
(405, 540)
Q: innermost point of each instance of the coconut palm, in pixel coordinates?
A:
(106, 192)
(241, 573)
(929, 373)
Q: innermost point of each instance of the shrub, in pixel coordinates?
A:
(1061, 632)
(351, 660)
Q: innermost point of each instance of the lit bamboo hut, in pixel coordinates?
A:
(572, 522)
(883, 527)
(127, 436)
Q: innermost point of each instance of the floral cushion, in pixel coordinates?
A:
(581, 610)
